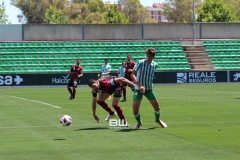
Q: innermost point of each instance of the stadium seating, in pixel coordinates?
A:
(224, 54)
(59, 56)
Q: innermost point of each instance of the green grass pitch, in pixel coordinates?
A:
(203, 123)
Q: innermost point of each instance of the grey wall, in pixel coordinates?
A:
(11, 32)
(52, 32)
(221, 30)
(170, 31)
(112, 31)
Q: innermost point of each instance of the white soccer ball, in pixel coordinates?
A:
(65, 120)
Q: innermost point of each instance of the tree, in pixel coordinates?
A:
(216, 11)
(180, 11)
(55, 16)
(115, 17)
(235, 5)
(3, 16)
(135, 11)
(95, 18)
(33, 10)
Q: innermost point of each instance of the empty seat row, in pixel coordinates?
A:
(227, 66)
(224, 54)
(173, 67)
(90, 44)
(221, 42)
(86, 56)
(86, 50)
(225, 60)
(84, 62)
(222, 48)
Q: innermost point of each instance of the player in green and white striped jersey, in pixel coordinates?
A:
(142, 76)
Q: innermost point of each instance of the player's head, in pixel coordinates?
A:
(129, 57)
(123, 64)
(78, 61)
(106, 61)
(94, 84)
(150, 52)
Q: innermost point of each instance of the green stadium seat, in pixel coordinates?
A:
(43, 69)
(45, 51)
(37, 69)
(102, 44)
(6, 70)
(5, 63)
(19, 70)
(61, 44)
(20, 45)
(62, 69)
(50, 69)
(25, 69)
(74, 44)
(51, 50)
(56, 69)
(120, 44)
(187, 67)
(41, 63)
(23, 63)
(98, 50)
(31, 69)
(67, 44)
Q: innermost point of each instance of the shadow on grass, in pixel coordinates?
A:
(59, 139)
(130, 130)
(91, 129)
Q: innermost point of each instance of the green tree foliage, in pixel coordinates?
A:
(33, 10)
(115, 17)
(216, 11)
(3, 16)
(55, 16)
(180, 11)
(135, 11)
(235, 5)
(95, 18)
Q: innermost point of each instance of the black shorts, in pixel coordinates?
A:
(72, 84)
(116, 93)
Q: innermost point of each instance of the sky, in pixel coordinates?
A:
(12, 11)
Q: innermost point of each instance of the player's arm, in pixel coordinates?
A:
(125, 81)
(80, 74)
(133, 76)
(94, 106)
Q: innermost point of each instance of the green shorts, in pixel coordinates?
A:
(149, 94)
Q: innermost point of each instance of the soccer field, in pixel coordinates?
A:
(203, 123)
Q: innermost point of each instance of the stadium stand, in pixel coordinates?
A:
(42, 57)
(224, 54)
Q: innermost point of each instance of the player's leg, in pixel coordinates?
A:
(137, 98)
(150, 95)
(124, 93)
(74, 92)
(75, 83)
(70, 83)
(101, 101)
(118, 109)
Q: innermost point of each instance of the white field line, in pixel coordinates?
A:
(36, 101)
(106, 124)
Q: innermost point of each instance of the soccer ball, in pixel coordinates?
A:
(65, 120)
